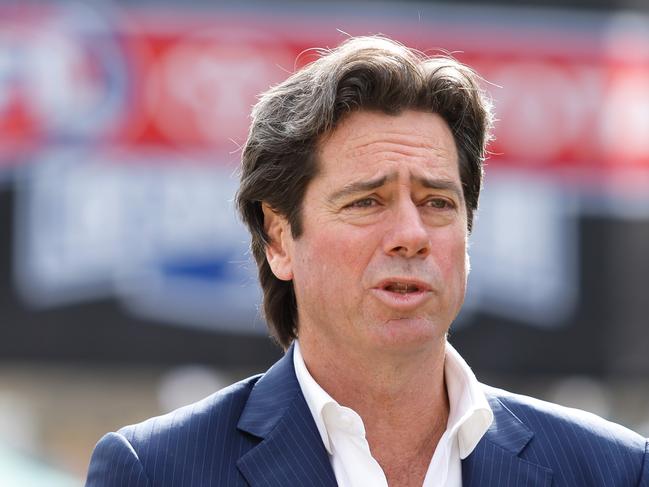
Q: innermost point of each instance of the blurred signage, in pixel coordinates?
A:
(64, 78)
(187, 78)
(72, 74)
(160, 237)
(524, 252)
(123, 127)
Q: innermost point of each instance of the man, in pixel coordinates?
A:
(360, 178)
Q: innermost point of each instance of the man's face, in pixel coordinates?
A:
(381, 264)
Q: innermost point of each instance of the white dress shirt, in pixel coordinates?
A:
(343, 432)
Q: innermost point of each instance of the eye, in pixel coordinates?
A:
(440, 204)
(363, 203)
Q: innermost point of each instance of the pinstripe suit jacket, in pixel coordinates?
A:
(260, 432)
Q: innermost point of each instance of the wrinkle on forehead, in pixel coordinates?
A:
(365, 139)
(414, 147)
(383, 136)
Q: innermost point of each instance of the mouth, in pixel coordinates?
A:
(403, 286)
(403, 294)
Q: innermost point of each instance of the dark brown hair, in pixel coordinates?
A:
(363, 73)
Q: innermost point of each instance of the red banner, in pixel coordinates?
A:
(577, 102)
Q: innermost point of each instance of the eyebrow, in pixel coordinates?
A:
(361, 187)
(357, 187)
(441, 184)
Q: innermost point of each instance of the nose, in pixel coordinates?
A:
(406, 235)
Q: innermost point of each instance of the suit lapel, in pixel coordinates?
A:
(495, 462)
(291, 451)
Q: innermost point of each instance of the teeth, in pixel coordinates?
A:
(401, 288)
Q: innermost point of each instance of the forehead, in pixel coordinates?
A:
(366, 143)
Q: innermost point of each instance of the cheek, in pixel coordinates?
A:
(334, 260)
(452, 258)
(312, 263)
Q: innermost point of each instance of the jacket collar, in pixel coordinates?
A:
(291, 451)
(496, 461)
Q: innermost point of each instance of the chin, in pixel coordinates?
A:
(409, 334)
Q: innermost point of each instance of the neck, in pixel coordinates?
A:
(401, 398)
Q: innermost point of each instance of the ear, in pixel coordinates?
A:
(280, 244)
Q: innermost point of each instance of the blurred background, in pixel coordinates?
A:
(126, 289)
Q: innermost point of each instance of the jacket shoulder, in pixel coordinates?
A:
(593, 447)
(567, 421)
(195, 439)
(214, 414)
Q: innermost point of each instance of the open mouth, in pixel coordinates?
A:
(402, 288)
(403, 294)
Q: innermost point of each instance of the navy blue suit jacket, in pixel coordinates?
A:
(260, 432)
